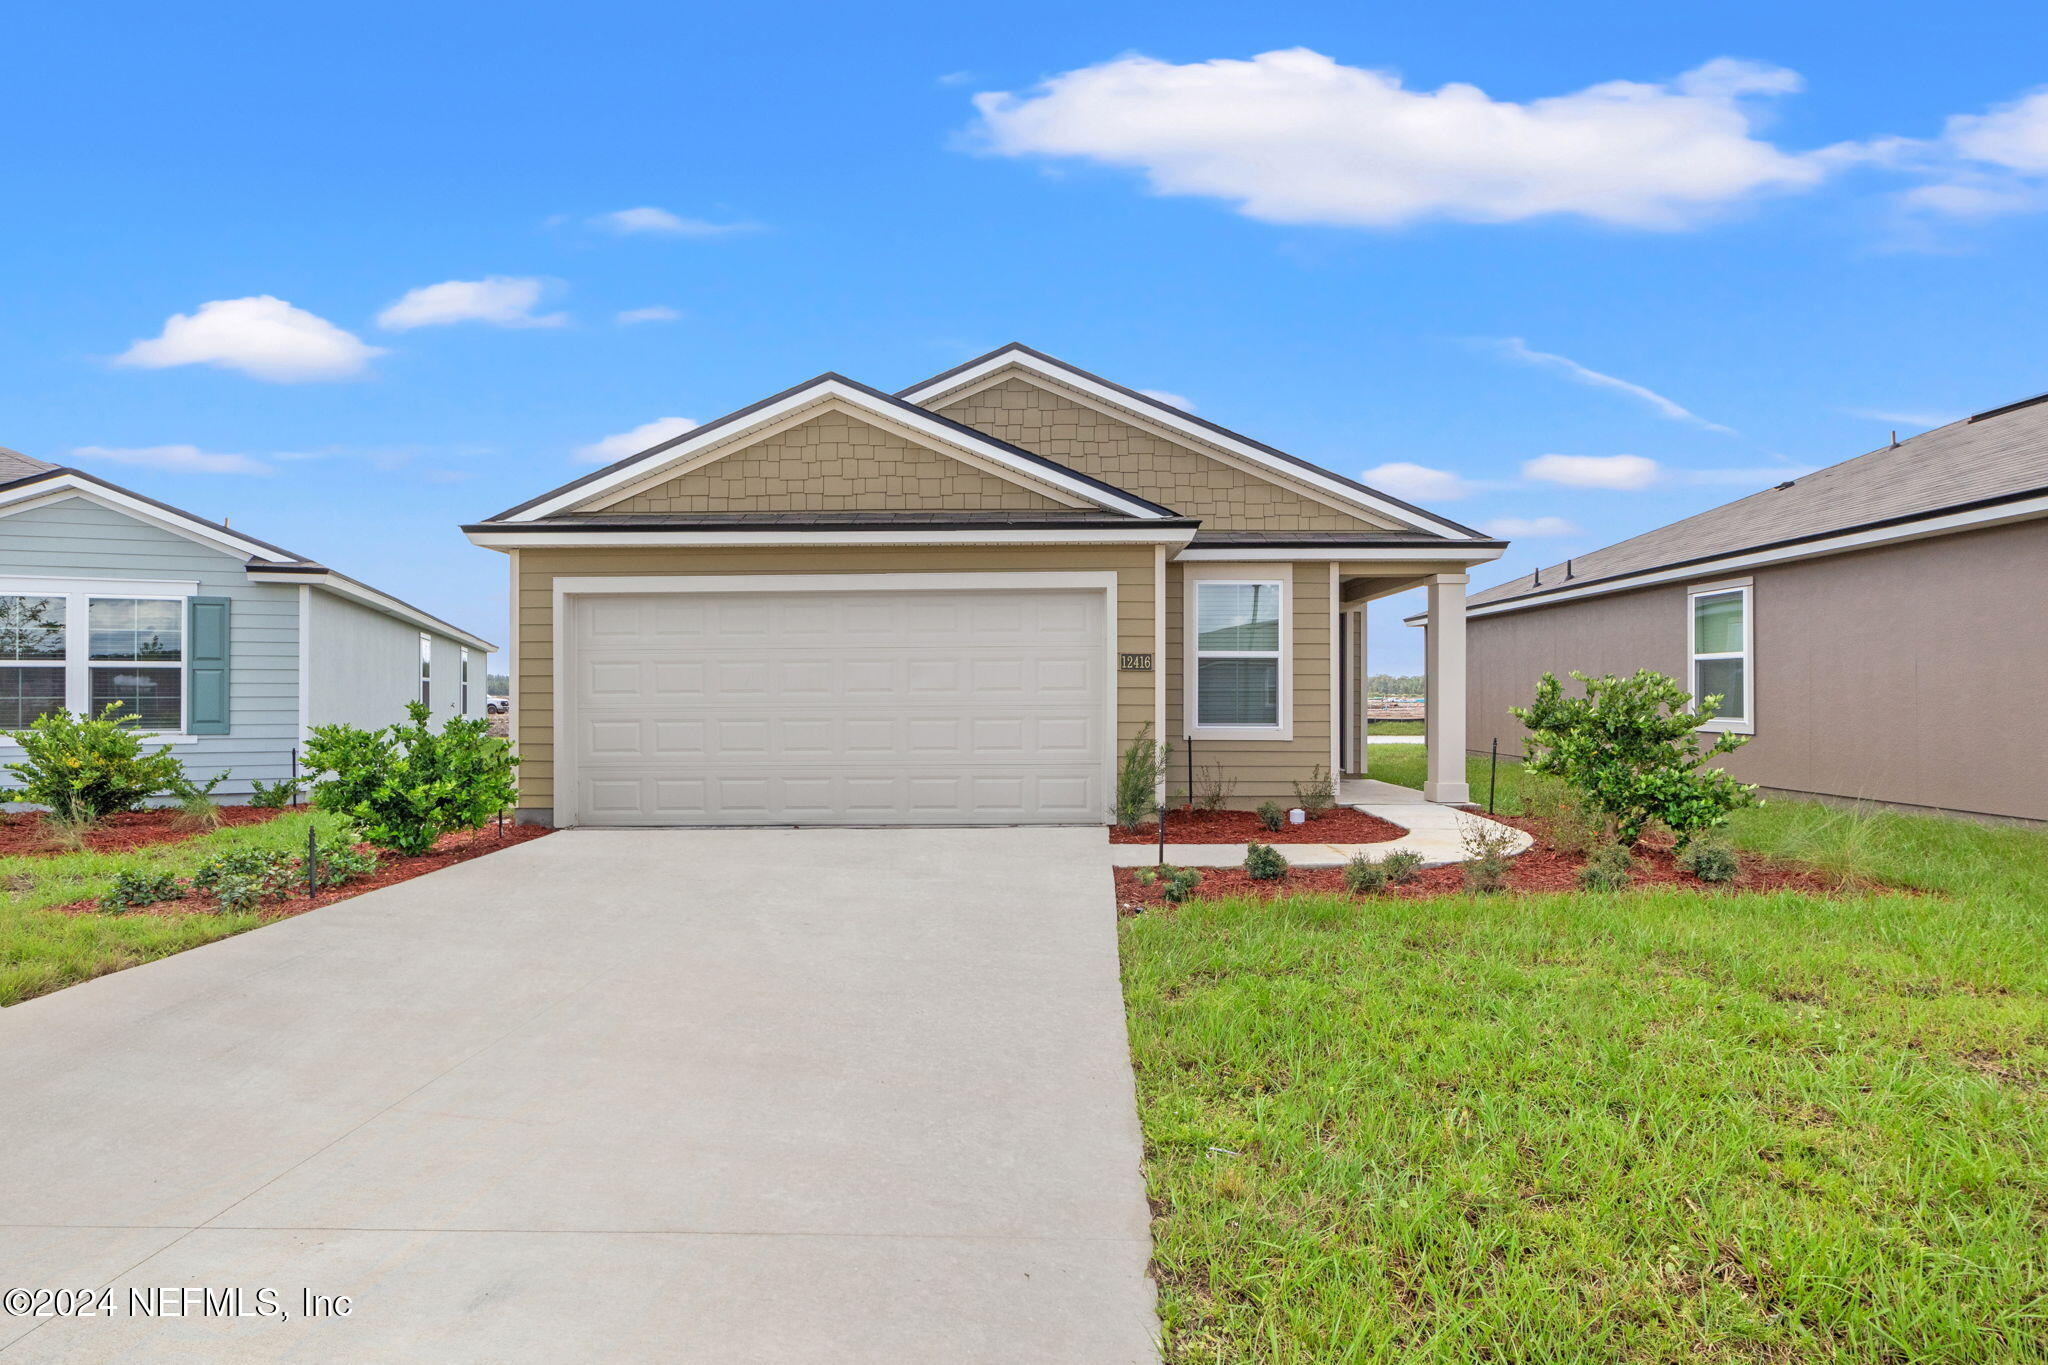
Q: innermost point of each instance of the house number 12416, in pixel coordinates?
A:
(1134, 663)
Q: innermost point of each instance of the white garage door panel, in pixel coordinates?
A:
(854, 708)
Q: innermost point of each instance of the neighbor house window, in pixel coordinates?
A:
(1238, 663)
(1720, 655)
(82, 651)
(464, 678)
(426, 669)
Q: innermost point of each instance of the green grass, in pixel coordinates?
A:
(1651, 1126)
(1376, 728)
(42, 951)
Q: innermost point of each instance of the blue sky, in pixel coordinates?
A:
(1831, 228)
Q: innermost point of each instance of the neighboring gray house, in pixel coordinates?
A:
(1879, 627)
(229, 647)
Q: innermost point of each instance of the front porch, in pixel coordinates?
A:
(1443, 679)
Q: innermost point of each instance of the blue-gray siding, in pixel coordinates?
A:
(365, 666)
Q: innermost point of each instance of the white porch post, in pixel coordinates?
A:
(1444, 663)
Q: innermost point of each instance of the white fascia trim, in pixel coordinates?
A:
(1172, 418)
(1088, 535)
(70, 485)
(925, 425)
(370, 597)
(1361, 554)
(1707, 570)
(574, 585)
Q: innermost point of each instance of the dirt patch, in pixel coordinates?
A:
(1543, 868)
(458, 847)
(1186, 826)
(26, 834)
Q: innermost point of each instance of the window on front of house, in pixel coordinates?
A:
(32, 673)
(1721, 655)
(426, 670)
(1237, 655)
(464, 680)
(131, 651)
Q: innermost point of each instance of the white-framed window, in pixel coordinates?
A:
(1720, 631)
(426, 669)
(463, 678)
(1238, 669)
(79, 647)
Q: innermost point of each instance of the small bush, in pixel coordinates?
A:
(86, 767)
(243, 878)
(67, 832)
(338, 862)
(132, 889)
(1317, 797)
(1213, 790)
(1572, 826)
(196, 809)
(273, 795)
(1402, 865)
(1174, 883)
(1138, 777)
(1610, 867)
(407, 785)
(1487, 844)
(1365, 874)
(1263, 863)
(1710, 860)
(1272, 815)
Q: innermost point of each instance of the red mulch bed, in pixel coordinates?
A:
(458, 847)
(1543, 868)
(1185, 826)
(24, 834)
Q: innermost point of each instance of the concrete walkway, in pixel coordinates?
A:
(1435, 831)
(700, 1096)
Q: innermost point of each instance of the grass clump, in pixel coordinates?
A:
(1711, 860)
(1609, 867)
(1176, 884)
(1364, 875)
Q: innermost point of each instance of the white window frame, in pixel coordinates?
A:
(1746, 724)
(462, 682)
(1235, 575)
(78, 663)
(426, 670)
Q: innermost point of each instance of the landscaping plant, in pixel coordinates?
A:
(137, 888)
(1571, 825)
(273, 795)
(1710, 860)
(243, 878)
(1317, 796)
(1272, 815)
(1487, 846)
(84, 767)
(1610, 867)
(1402, 865)
(1365, 874)
(1632, 749)
(407, 785)
(1213, 790)
(1174, 883)
(1138, 777)
(196, 809)
(1263, 863)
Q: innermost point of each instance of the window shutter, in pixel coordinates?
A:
(206, 666)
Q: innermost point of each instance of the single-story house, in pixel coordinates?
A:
(956, 604)
(1879, 628)
(227, 647)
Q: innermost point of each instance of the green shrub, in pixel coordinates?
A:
(407, 785)
(1487, 845)
(1174, 883)
(1365, 874)
(1631, 748)
(1272, 815)
(1138, 776)
(273, 795)
(1609, 867)
(339, 860)
(136, 888)
(1317, 796)
(1710, 860)
(243, 878)
(196, 809)
(1402, 865)
(86, 767)
(1213, 790)
(1263, 863)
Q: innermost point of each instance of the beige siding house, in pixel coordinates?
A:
(956, 604)
(1879, 628)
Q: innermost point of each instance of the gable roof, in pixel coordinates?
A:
(1991, 463)
(859, 396)
(265, 562)
(1186, 424)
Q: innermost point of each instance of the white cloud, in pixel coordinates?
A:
(624, 443)
(176, 459)
(502, 300)
(1172, 400)
(650, 221)
(1762, 476)
(1980, 165)
(1904, 419)
(1517, 349)
(1417, 482)
(1295, 137)
(657, 313)
(1621, 473)
(1528, 528)
(261, 336)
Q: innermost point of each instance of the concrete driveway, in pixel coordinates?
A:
(731, 1096)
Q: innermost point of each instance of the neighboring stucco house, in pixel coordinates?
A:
(955, 604)
(228, 647)
(1879, 628)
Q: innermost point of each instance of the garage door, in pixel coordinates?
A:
(897, 707)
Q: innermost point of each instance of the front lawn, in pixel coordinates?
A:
(1644, 1126)
(1375, 729)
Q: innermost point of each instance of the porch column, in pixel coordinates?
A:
(1444, 667)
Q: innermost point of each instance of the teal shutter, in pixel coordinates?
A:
(206, 666)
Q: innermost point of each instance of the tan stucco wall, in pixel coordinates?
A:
(834, 463)
(1048, 423)
(1910, 674)
(533, 703)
